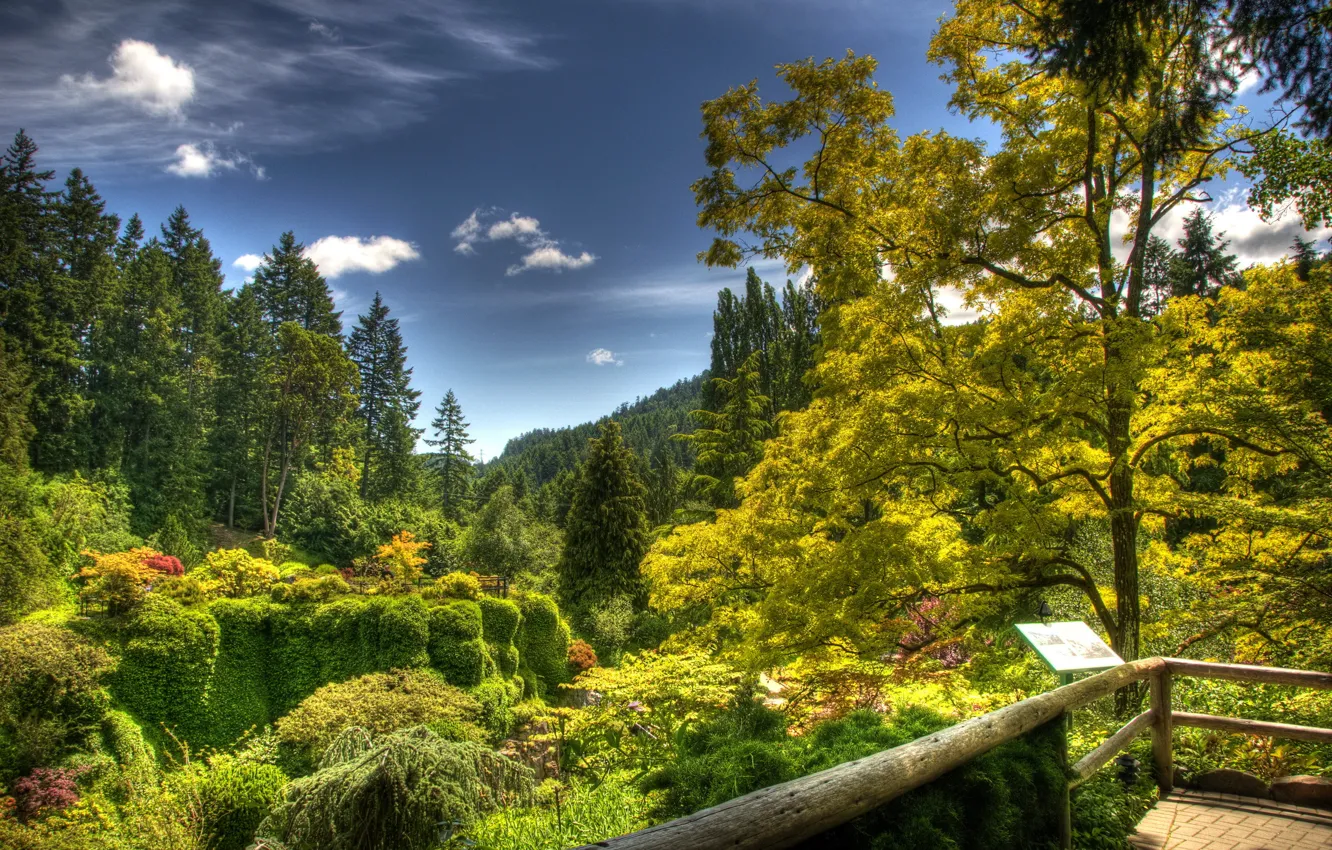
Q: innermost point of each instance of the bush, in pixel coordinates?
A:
(167, 664)
(51, 695)
(456, 647)
(394, 794)
(45, 790)
(236, 573)
(497, 698)
(499, 620)
(582, 656)
(587, 814)
(120, 579)
(234, 797)
(453, 586)
(380, 703)
(166, 564)
(28, 578)
(304, 591)
(543, 641)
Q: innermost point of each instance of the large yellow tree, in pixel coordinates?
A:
(969, 461)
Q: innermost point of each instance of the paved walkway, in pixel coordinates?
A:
(1194, 820)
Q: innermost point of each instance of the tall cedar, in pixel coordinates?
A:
(388, 404)
(454, 463)
(291, 289)
(244, 401)
(606, 529)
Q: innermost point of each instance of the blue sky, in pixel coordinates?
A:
(514, 178)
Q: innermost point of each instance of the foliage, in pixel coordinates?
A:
(236, 573)
(502, 540)
(606, 532)
(1105, 812)
(120, 579)
(729, 441)
(453, 586)
(234, 796)
(28, 579)
(543, 642)
(311, 590)
(573, 815)
(451, 462)
(395, 795)
(166, 564)
(167, 664)
(402, 556)
(51, 695)
(378, 702)
(581, 656)
(45, 790)
(386, 403)
(456, 647)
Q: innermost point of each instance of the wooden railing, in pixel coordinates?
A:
(785, 815)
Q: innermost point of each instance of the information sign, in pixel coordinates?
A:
(1069, 647)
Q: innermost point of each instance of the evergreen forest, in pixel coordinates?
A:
(251, 600)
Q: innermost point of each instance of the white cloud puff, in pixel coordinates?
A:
(248, 262)
(543, 251)
(603, 357)
(201, 161)
(144, 76)
(551, 257)
(338, 255)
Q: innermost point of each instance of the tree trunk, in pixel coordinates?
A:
(231, 504)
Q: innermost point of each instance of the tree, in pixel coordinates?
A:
(388, 404)
(244, 403)
(1202, 265)
(606, 530)
(291, 289)
(968, 456)
(729, 442)
(313, 385)
(453, 463)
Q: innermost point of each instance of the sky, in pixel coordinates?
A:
(514, 178)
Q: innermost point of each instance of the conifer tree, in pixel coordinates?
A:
(454, 464)
(1202, 265)
(291, 289)
(244, 398)
(130, 240)
(388, 404)
(606, 530)
(729, 442)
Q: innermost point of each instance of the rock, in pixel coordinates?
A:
(1227, 781)
(1303, 790)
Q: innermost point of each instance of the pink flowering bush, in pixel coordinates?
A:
(46, 789)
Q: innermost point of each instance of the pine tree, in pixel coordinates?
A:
(130, 240)
(291, 289)
(1202, 265)
(606, 530)
(244, 400)
(454, 463)
(388, 404)
(729, 442)
(663, 493)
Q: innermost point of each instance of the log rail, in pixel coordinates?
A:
(784, 815)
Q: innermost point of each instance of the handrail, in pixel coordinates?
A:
(783, 815)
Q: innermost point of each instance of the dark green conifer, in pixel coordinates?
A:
(388, 404)
(453, 462)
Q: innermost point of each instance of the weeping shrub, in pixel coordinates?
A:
(380, 703)
(394, 794)
(234, 797)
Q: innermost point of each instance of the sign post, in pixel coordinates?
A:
(1068, 648)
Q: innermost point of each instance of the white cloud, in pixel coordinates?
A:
(1251, 239)
(324, 30)
(338, 255)
(144, 76)
(200, 161)
(248, 262)
(551, 257)
(603, 357)
(544, 252)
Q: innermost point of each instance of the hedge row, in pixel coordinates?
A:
(213, 672)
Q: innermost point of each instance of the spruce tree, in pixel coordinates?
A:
(454, 464)
(388, 404)
(729, 442)
(291, 289)
(244, 400)
(1202, 265)
(606, 532)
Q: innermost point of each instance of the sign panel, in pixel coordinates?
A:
(1069, 647)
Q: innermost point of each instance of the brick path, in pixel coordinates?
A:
(1194, 820)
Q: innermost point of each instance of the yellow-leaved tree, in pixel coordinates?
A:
(974, 461)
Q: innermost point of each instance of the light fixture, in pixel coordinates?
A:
(1045, 612)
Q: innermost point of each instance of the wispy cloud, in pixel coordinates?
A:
(543, 252)
(603, 357)
(247, 262)
(204, 160)
(293, 75)
(339, 255)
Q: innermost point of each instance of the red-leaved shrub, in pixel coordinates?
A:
(582, 656)
(46, 788)
(168, 564)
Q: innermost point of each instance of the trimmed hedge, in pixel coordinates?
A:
(543, 642)
(499, 620)
(213, 673)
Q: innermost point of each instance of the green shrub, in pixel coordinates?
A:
(167, 664)
(543, 641)
(238, 693)
(456, 647)
(234, 797)
(378, 702)
(124, 741)
(305, 591)
(1105, 812)
(497, 698)
(587, 814)
(395, 793)
(453, 586)
(404, 634)
(51, 695)
(499, 620)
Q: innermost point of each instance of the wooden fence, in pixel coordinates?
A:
(784, 815)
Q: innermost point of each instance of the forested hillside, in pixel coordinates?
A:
(239, 610)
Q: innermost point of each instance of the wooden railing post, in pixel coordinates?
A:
(1162, 733)
(1065, 804)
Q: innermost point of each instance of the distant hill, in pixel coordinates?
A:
(648, 425)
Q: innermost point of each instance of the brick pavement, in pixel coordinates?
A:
(1194, 820)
